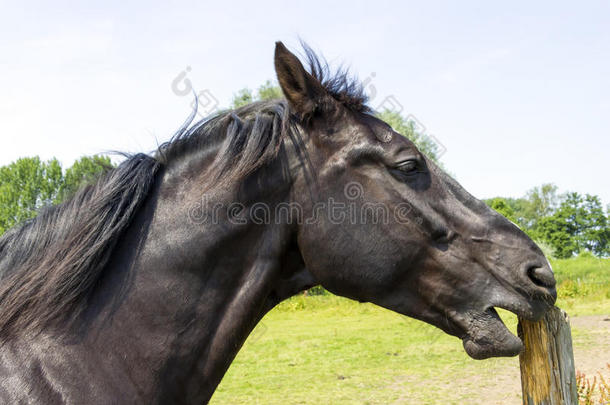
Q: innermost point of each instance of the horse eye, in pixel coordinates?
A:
(409, 166)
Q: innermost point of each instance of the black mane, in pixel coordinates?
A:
(51, 264)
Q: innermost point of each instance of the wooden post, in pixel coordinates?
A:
(547, 362)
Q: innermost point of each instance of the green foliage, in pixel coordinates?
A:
(28, 184)
(578, 225)
(25, 186)
(83, 171)
(595, 229)
(241, 98)
(500, 205)
(267, 91)
(540, 202)
(546, 248)
(557, 232)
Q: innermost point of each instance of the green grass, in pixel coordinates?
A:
(327, 349)
(583, 285)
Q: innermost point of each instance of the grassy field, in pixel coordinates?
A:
(583, 285)
(326, 349)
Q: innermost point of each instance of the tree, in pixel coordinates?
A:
(83, 171)
(502, 207)
(241, 98)
(557, 231)
(540, 202)
(578, 225)
(28, 184)
(595, 235)
(267, 91)
(25, 186)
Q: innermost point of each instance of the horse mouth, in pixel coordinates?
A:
(487, 336)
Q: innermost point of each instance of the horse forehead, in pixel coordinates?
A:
(379, 129)
(361, 139)
(392, 146)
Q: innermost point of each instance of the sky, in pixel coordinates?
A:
(515, 94)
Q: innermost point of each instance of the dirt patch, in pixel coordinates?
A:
(592, 350)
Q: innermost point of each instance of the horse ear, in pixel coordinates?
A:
(302, 90)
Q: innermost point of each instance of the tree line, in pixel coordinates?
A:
(30, 183)
(564, 224)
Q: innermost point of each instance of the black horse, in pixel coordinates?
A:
(143, 286)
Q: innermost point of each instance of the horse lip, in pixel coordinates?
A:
(487, 336)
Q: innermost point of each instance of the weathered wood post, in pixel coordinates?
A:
(547, 362)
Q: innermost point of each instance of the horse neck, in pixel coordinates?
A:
(196, 287)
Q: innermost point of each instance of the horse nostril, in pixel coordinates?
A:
(541, 276)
